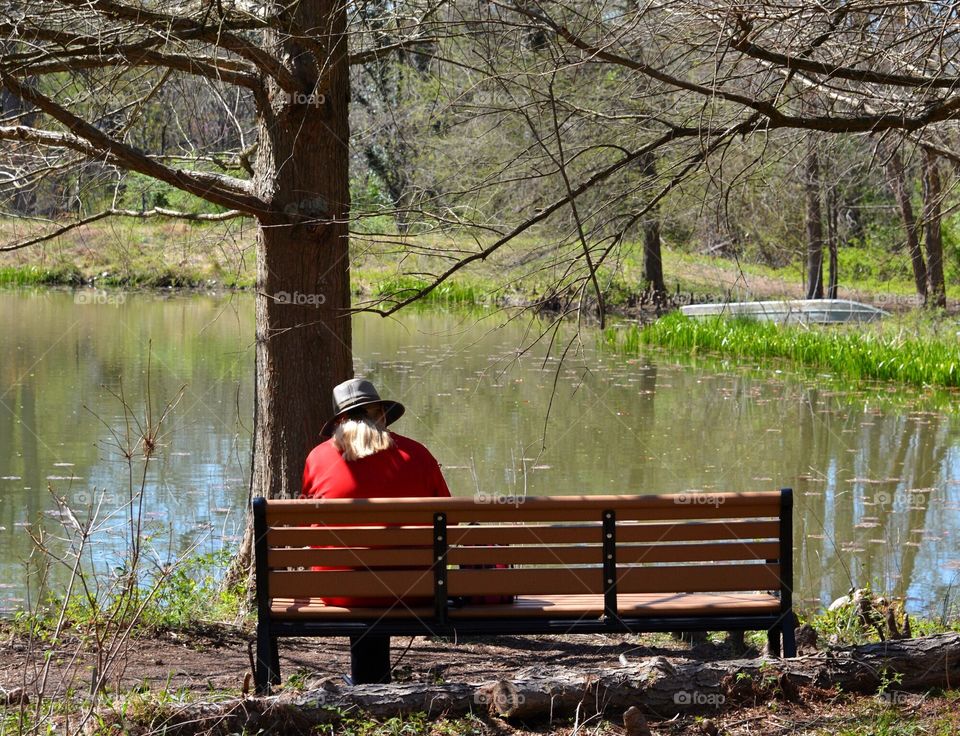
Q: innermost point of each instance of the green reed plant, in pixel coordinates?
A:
(858, 353)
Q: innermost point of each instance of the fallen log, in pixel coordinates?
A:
(657, 688)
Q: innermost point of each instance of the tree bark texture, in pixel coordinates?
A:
(833, 234)
(898, 183)
(933, 234)
(814, 223)
(652, 256)
(658, 687)
(303, 290)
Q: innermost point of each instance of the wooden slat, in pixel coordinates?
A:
(698, 531)
(529, 581)
(593, 554)
(708, 553)
(697, 578)
(542, 508)
(489, 536)
(552, 555)
(286, 609)
(568, 606)
(636, 605)
(382, 583)
(310, 536)
(350, 557)
(575, 581)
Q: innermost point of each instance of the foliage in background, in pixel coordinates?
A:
(849, 352)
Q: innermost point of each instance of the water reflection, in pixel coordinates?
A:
(876, 487)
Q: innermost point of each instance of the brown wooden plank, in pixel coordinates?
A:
(359, 557)
(529, 581)
(649, 604)
(708, 553)
(489, 536)
(381, 583)
(552, 555)
(698, 531)
(593, 554)
(697, 578)
(314, 536)
(690, 505)
(286, 609)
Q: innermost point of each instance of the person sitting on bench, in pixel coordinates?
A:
(360, 458)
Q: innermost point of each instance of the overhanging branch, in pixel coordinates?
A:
(141, 214)
(225, 191)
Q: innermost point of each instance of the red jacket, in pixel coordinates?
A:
(406, 469)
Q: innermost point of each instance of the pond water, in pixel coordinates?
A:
(877, 482)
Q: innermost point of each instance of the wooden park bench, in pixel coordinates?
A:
(574, 564)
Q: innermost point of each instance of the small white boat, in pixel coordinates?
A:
(809, 311)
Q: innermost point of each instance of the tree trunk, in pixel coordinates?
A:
(898, 184)
(303, 333)
(652, 258)
(933, 235)
(658, 687)
(833, 229)
(303, 284)
(814, 223)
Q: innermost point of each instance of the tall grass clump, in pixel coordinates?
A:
(65, 275)
(397, 289)
(857, 354)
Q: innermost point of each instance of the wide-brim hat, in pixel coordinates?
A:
(355, 394)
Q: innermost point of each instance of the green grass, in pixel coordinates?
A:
(191, 593)
(395, 289)
(853, 353)
(31, 275)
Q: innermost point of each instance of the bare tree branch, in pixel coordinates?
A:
(145, 215)
(217, 188)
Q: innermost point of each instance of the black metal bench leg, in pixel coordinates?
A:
(370, 659)
(265, 648)
(274, 662)
(773, 641)
(789, 640)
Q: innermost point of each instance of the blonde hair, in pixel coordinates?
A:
(362, 436)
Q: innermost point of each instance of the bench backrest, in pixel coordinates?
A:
(559, 545)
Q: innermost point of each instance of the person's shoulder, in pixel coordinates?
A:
(411, 447)
(323, 450)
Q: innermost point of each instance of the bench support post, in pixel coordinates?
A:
(440, 592)
(610, 565)
(268, 661)
(787, 619)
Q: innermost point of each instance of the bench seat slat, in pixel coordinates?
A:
(531, 508)
(352, 557)
(379, 583)
(646, 579)
(698, 531)
(366, 536)
(593, 554)
(573, 606)
(311, 536)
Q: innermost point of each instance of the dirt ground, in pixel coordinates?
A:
(218, 659)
